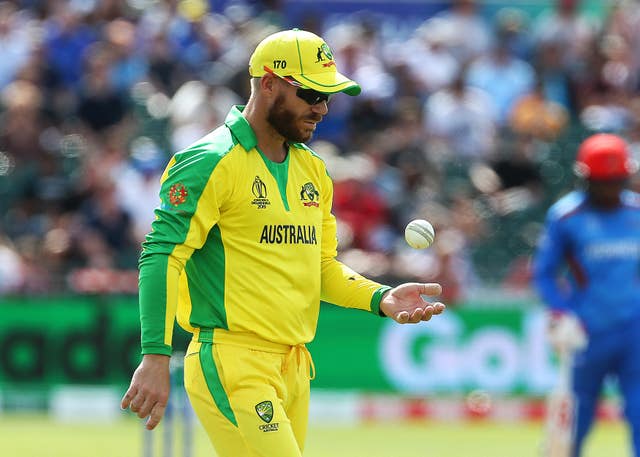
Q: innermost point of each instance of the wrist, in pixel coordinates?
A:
(156, 358)
(377, 298)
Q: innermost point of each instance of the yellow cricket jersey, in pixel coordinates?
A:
(244, 244)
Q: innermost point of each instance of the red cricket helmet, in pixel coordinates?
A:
(604, 156)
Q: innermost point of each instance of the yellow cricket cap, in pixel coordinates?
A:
(303, 56)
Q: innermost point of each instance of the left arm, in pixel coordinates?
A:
(406, 304)
(342, 286)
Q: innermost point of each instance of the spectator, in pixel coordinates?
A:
(460, 120)
(12, 268)
(537, 117)
(137, 184)
(573, 31)
(624, 21)
(17, 39)
(107, 236)
(430, 62)
(100, 105)
(67, 38)
(472, 34)
(129, 65)
(358, 203)
(503, 76)
(556, 82)
(22, 124)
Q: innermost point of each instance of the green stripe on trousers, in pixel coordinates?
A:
(213, 382)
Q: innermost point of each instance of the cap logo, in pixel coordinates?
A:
(324, 52)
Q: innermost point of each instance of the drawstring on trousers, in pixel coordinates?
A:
(296, 351)
(206, 335)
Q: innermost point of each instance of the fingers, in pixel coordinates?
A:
(438, 307)
(145, 409)
(420, 314)
(432, 310)
(144, 406)
(128, 396)
(417, 315)
(402, 317)
(156, 415)
(431, 289)
(135, 404)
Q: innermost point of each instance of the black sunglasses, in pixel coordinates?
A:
(312, 97)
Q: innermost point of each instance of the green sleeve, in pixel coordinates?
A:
(153, 304)
(177, 231)
(377, 298)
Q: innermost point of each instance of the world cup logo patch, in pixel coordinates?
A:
(259, 191)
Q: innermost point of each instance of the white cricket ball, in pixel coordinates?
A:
(419, 234)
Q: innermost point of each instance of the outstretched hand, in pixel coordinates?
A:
(405, 303)
(148, 393)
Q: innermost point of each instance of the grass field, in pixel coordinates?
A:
(37, 436)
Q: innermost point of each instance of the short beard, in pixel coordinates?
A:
(284, 122)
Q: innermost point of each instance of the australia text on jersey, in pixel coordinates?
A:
(288, 234)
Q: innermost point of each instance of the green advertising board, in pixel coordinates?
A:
(493, 349)
(95, 340)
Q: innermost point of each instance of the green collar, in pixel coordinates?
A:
(240, 128)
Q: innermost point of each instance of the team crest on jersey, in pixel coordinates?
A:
(309, 195)
(259, 190)
(178, 194)
(265, 410)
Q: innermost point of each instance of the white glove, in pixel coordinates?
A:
(566, 333)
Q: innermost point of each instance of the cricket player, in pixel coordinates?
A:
(242, 251)
(587, 269)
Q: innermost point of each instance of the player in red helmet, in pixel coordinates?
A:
(604, 156)
(586, 271)
(603, 160)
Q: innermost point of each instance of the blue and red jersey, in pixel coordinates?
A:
(588, 260)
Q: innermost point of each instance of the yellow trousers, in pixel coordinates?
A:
(251, 395)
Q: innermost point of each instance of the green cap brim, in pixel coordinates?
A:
(329, 83)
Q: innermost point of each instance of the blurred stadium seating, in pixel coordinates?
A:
(96, 96)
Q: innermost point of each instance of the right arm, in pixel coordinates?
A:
(148, 392)
(547, 262)
(179, 229)
(565, 330)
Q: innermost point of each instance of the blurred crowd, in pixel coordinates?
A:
(468, 120)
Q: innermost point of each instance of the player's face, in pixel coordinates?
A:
(294, 117)
(606, 194)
